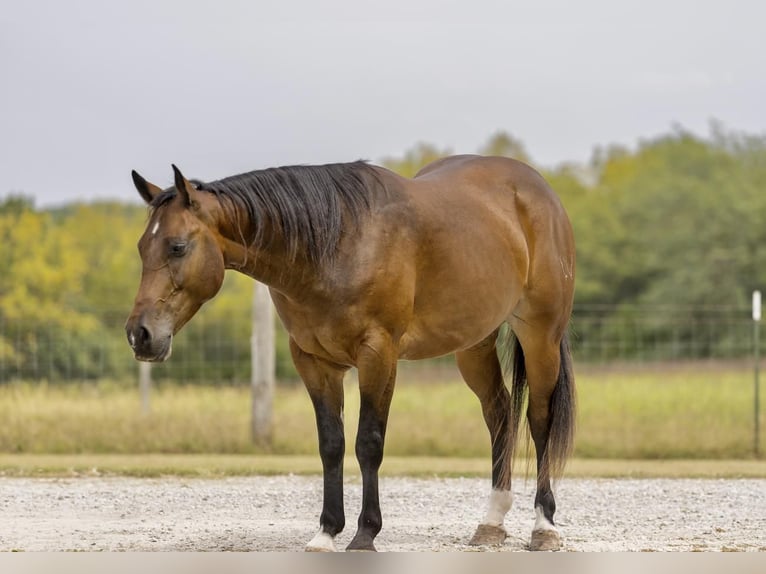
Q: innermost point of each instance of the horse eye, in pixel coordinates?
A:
(178, 249)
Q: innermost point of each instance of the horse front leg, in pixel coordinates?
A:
(324, 383)
(376, 363)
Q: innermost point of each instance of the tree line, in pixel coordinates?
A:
(677, 222)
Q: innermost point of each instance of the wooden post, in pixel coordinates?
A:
(757, 361)
(144, 385)
(263, 366)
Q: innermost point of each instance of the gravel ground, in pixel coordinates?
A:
(280, 513)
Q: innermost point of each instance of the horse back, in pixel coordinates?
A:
(487, 191)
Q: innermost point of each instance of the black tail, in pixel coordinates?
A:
(563, 409)
(562, 406)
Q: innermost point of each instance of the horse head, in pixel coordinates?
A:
(183, 264)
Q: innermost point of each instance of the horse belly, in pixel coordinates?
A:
(454, 322)
(427, 343)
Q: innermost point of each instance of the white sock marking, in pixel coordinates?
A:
(500, 502)
(542, 523)
(322, 542)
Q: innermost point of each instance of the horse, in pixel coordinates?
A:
(365, 268)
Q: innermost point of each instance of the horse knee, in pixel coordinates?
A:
(332, 442)
(332, 447)
(369, 448)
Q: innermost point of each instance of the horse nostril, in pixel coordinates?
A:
(143, 335)
(138, 337)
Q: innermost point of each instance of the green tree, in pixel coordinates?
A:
(44, 332)
(414, 159)
(503, 144)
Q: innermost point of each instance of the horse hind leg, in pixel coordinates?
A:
(481, 370)
(551, 421)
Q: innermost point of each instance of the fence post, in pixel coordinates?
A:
(756, 355)
(263, 365)
(144, 385)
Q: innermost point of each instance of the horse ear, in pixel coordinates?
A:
(148, 191)
(184, 187)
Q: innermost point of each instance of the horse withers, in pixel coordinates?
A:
(366, 268)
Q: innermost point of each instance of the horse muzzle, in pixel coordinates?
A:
(148, 344)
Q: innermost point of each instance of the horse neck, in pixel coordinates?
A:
(272, 264)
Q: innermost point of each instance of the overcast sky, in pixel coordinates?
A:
(92, 89)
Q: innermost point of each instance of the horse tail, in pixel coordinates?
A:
(562, 406)
(562, 416)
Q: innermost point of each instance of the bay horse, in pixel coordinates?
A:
(365, 268)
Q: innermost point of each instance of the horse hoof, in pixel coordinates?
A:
(370, 548)
(487, 534)
(322, 542)
(319, 549)
(361, 545)
(545, 541)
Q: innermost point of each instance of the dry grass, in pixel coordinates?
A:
(688, 414)
(217, 466)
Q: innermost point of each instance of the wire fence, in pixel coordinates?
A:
(217, 351)
(604, 334)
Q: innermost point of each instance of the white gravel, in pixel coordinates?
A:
(280, 513)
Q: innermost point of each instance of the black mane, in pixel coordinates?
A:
(306, 203)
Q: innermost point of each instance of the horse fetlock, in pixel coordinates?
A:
(322, 542)
(500, 502)
(362, 542)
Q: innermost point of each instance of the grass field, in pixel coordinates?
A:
(695, 413)
(218, 466)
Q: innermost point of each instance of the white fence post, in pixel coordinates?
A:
(144, 385)
(263, 365)
(756, 353)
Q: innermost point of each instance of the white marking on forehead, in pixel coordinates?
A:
(156, 227)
